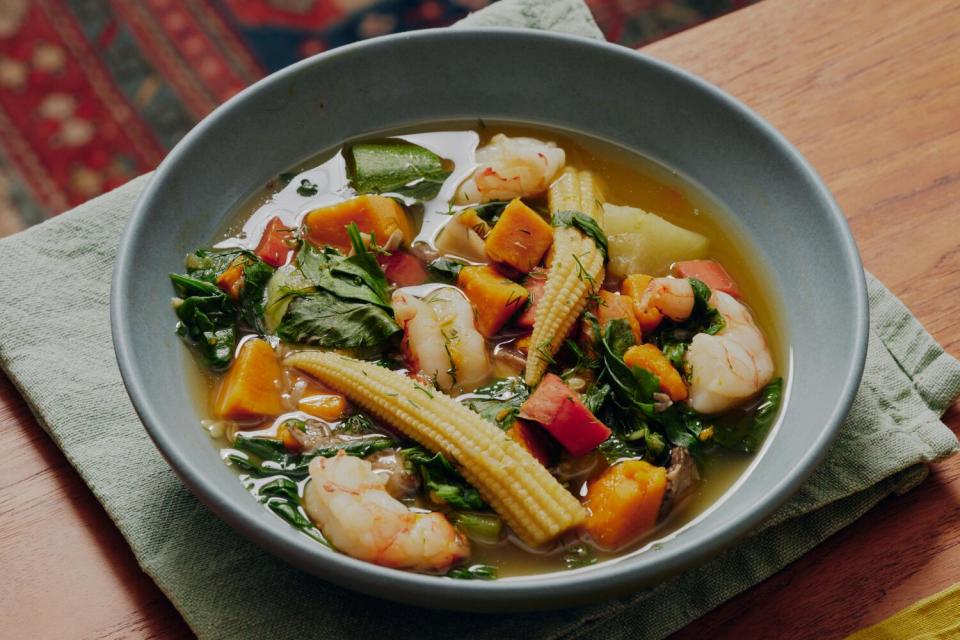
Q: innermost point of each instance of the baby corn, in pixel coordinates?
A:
(576, 270)
(518, 487)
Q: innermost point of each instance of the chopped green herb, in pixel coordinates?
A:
(747, 433)
(585, 224)
(442, 480)
(500, 401)
(578, 556)
(473, 572)
(307, 189)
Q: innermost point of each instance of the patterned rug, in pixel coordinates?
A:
(95, 92)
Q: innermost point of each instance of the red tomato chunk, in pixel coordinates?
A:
(402, 269)
(275, 247)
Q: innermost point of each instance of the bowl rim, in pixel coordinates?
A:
(552, 588)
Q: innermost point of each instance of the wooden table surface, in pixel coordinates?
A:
(869, 90)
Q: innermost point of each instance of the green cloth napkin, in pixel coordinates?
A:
(55, 345)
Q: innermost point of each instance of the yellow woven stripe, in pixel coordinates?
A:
(933, 618)
(518, 487)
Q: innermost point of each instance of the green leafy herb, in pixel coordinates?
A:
(355, 424)
(307, 188)
(445, 269)
(578, 555)
(275, 460)
(396, 166)
(473, 572)
(256, 274)
(675, 353)
(351, 307)
(747, 433)
(326, 320)
(442, 480)
(594, 397)
(585, 224)
(500, 401)
(207, 320)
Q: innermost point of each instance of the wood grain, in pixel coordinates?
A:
(870, 93)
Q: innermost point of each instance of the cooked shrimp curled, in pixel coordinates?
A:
(731, 366)
(511, 168)
(350, 504)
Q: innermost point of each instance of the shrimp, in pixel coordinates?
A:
(731, 366)
(511, 168)
(350, 504)
(440, 338)
(673, 297)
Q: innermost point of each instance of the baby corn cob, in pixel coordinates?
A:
(576, 270)
(518, 487)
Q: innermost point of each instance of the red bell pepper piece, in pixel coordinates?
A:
(710, 273)
(275, 244)
(402, 269)
(558, 408)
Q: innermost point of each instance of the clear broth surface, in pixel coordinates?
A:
(628, 179)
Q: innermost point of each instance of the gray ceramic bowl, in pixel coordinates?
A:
(570, 83)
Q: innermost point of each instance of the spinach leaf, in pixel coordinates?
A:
(395, 166)
(594, 397)
(324, 319)
(329, 270)
(275, 460)
(632, 387)
(256, 274)
(209, 264)
(747, 434)
(364, 265)
(500, 401)
(473, 572)
(578, 555)
(207, 320)
(441, 479)
(585, 224)
(445, 269)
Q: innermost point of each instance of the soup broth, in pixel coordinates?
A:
(627, 179)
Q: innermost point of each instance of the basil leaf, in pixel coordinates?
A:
(585, 224)
(326, 320)
(747, 434)
(395, 166)
(442, 479)
(500, 401)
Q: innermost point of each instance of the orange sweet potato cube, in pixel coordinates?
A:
(251, 387)
(624, 502)
(495, 298)
(376, 215)
(520, 238)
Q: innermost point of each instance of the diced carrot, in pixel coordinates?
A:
(494, 296)
(520, 237)
(402, 269)
(535, 284)
(251, 388)
(533, 439)
(275, 244)
(376, 215)
(327, 406)
(624, 502)
(647, 356)
(559, 410)
(634, 286)
(710, 273)
(231, 280)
